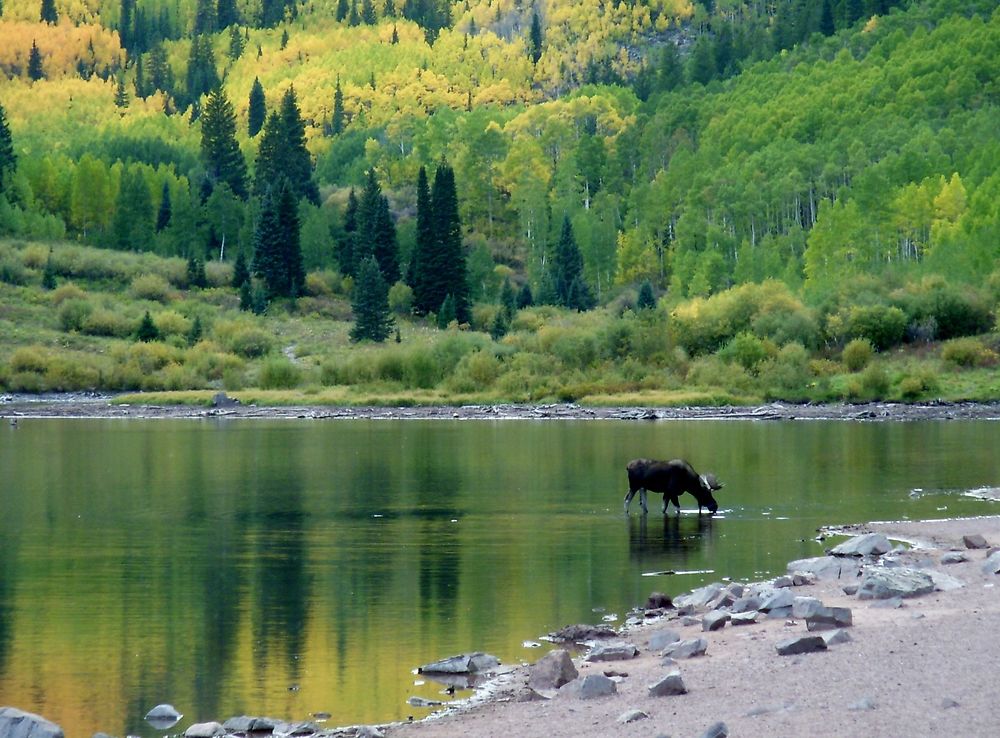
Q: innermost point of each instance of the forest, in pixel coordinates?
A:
(649, 201)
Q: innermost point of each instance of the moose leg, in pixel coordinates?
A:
(666, 501)
(628, 499)
(642, 500)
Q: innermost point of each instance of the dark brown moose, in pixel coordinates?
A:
(671, 479)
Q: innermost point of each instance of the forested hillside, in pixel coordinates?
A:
(848, 149)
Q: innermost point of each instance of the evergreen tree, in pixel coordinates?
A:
(121, 95)
(196, 276)
(147, 330)
(241, 274)
(508, 300)
(48, 13)
(283, 152)
(126, 22)
(670, 74)
(345, 244)
(353, 19)
(701, 64)
(854, 10)
(535, 38)
(449, 255)
(139, 84)
(338, 109)
(165, 211)
(567, 272)
(372, 318)
(343, 8)
(36, 70)
(368, 13)
(196, 331)
(277, 254)
(646, 299)
(204, 17)
(8, 159)
(202, 76)
(524, 297)
(284, 39)
(417, 276)
(389, 11)
(257, 109)
(446, 314)
(227, 15)
(220, 153)
(272, 12)
(246, 297)
(826, 22)
(236, 41)
(132, 224)
(49, 275)
(499, 326)
(395, 36)
(385, 243)
(161, 76)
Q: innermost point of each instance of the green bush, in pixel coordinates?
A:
(64, 292)
(856, 354)
(884, 326)
(967, 353)
(12, 270)
(746, 350)
(401, 298)
(278, 372)
(475, 372)
(710, 371)
(151, 287)
(29, 359)
(937, 310)
(787, 375)
(875, 382)
(104, 322)
(919, 384)
(73, 314)
(250, 343)
(171, 323)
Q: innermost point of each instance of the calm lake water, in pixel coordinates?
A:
(285, 568)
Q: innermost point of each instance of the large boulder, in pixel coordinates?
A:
(715, 620)
(802, 644)
(613, 652)
(16, 723)
(825, 567)
(663, 638)
(686, 649)
(992, 564)
(669, 685)
(590, 686)
(699, 597)
(828, 618)
(577, 633)
(204, 730)
(552, 671)
(882, 584)
(871, 544)
(468, 663)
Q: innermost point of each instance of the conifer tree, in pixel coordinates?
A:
(139, 84)
(535, 38)
(571, 289)
(147, 330)
(277, 255)
(385, 243)
(121, 95)
(241, 274)
(49, 275)
(202, 76)
(508, 300)
(524, 297)
(36, 70)
(345, 245)
(338, 109)
(196, 276)
(196, 331)
(389, 10)
(670, 73)
(132, 224)
(227, 15)
(368, 13)
(646, 299)
(236, 41)
(372, 318)
(284, 39)
(204, 17)
(257, 109)
(161, 77)
(283, 152)
(701, 64)
(220, 153)
(353, 19)
(8, 159)
(165, 211)
(48, 13)
(447, 312)
(395, 36)
(343, 8)
(449, 259)
(826, 23)
(417, 276)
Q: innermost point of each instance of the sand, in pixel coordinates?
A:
(928, 668)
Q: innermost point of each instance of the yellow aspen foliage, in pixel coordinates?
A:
(64, 46)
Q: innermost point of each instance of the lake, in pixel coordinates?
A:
(286, 568)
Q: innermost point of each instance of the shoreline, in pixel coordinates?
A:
(104, 406)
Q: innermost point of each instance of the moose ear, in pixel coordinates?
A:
(712, 482)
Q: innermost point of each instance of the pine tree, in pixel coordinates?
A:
(508, 300)
(353, 19)
(524, 297)
(567, 272)
(139, 84)
(257, 109)
(338, 109)
(121, 95)
(826, 23)
(345, 245)
(246, 297)
(48, 13)
(395, 36)
(220, 153)
(418, 278)
(8, 159)
(386, 246)
(343, 8)
(132, 223)
(147, 330)
(165, 211)
(670, 74)
(446, 313)
(161, 76)
(127, 23)
(283, 152)
(196, 276)
(36, 70)
(236, 41)
(372, 318)
(204, 17)
(284, 39)
(449, 262)
(196, 331)
(701, 64)
(368, 13)
(646, 299)
(49, 275)
(499, 326)
(202, 76)
(241, 274)
(277, 254)
(228, 15)
(535, 38)
(389, 11)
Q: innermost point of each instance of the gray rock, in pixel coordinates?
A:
(689, 620)
(715, 620)
(947, 703)
(204, 730)
(576, 633)
(718, 730)
(686, 649)
(871, 544)
(552, 671)
(835, 637)
(746, 604)
(671, 684)
(975, 541)
(744, 618)
(825, 567)
(779, 612)
(668, 663)
(865, 703)
(735, 589)
(945, 582)
(658, 601)
(893, 603)
(163, 712)
(590, 687)
(723, 600)
(368, 731)
(992, 564)
(613, 652)
(529, 695)
(803, 607)
(16, 723)
(632, 716)
(802, 644)
(783, 581)
(699, 597)
(827, 618)
(802, 578)
(954, 557)
(661, 639)
(778, 599)
(850, 589)
(417, 701)
(250, 724)
(468, 663)
(881, 584)
(296, 729)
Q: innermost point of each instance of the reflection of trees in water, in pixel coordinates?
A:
(436, 485)
(667, 541)
(8, 557)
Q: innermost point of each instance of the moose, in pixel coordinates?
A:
(671, 479)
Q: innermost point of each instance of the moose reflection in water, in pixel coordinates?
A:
(669, 543)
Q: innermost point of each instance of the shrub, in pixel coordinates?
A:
(746, 350)
(884, 326)
(29, 359)
(278, 372)
(787, 375)
(73, 314)
(323, 283)
(218, 273)
(401, 298)
(211, 362)
(151, 287)
(35, 256)
(710, 371)
(857, 354)
(12, 270)
(147, 357)
(967, 352)
(104, 322)
(949, 310)
(64, 292)
(916, 385)
(172, 323)
(576, 348)
(875, 382)
(242, 337)
(476, 371)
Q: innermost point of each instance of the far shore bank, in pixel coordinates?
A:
(96, 405)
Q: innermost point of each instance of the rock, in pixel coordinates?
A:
(975, 541)
(368, 731)
(296, 729)
(850, 589)
(668, 663)
(686, 649)
(527, 694)
(689, 620)
(825, 567)
(204, 730)
(576, 633)
(826, 618)
(776, 600)
(783, 581)
(416, 701)
(803, 607)
(945, 582)
(871, 544)
(658, 600)
(632, 716)
(715, 620)
(802, 644)
(248, 724)
(802, 578)
(660, 640)
(865, 703)
(613, 652)
(718, 730)
(16, 723)
(590, 686)
(992, 564)
(163, 712)
(221, 399)
(881, 584)
(954, 557)
(746, 604)
(699, 597)
(671, 684)
(723, 600)
(470, 663)
(779, 612)
(744, 618)
(893, 603)
(835, 637)
(552, 671)
(947, 703)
